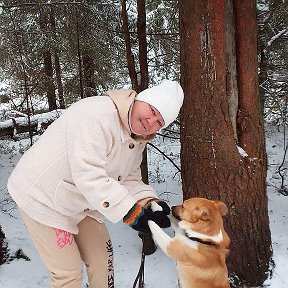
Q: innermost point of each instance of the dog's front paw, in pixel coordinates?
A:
(153, 227)
(159, 236)
(155, 206)
(174, 222)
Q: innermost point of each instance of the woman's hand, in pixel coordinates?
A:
(137, 217)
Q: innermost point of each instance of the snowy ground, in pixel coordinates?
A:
(159, 270)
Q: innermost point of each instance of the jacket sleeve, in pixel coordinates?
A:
(89, 143)
(134, 183)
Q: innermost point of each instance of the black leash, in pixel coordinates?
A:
(140, 276)
(148, 248)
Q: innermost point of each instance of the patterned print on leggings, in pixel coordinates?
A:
(109, 249)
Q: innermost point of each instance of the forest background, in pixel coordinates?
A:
(54, 53)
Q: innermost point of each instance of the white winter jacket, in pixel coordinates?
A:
(86, 163)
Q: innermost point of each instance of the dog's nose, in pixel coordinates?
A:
(174, 212)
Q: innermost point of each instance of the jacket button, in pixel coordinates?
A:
(119, 178)
(86, 210)
(131, 145)
(106, 204)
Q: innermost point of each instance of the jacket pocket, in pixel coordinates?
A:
(69, 201)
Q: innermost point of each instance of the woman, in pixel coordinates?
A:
(86, 167)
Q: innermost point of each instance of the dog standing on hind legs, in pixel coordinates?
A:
(200, 245)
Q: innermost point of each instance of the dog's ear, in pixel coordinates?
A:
(222, 208)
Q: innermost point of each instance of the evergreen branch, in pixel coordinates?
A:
(38, 4)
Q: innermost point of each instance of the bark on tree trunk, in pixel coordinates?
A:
(141, 32)
(57, 62)
(88, 72)
(48, 67)
(49, 83)
(252, 139)
(231, 72)
(129, 55)
(212, 166)
(263, 76)
(79, 55)
(59, 81)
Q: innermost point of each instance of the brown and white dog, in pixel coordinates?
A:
(200, 245)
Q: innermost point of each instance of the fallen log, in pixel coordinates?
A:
(38, 123)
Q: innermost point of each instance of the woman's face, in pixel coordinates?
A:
(145, 119)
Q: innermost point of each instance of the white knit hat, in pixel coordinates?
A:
(166, 97)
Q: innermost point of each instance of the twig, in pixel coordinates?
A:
(161, 152)
(167, 136)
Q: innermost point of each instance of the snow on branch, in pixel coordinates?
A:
(275, 37)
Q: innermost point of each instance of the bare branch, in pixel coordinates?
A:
(161, 152)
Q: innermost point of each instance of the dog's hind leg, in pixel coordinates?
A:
(159, 236)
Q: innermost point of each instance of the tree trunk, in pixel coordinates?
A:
(263, 76)
(79, 55)
(49, 84)
(141, 33)
(59, 80)
(88, 73)
(139, 84)
(129, 55)
(57, 62)
(48, 67)
(212, 166)
(252, 139)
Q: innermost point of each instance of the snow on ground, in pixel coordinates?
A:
(160, 271)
